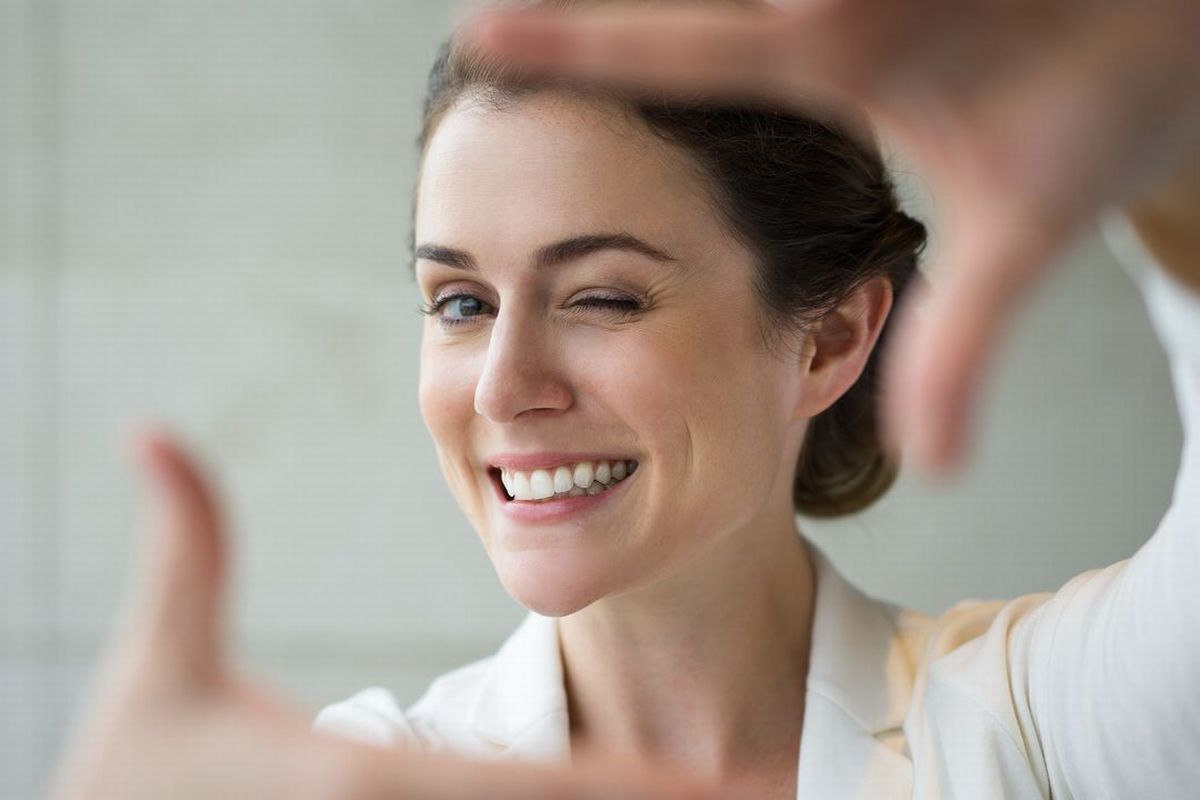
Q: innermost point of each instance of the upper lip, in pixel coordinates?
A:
(546, 459)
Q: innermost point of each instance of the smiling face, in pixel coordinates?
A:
(589, 306)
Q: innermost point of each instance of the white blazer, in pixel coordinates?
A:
(1092, 691)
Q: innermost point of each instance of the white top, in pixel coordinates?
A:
(1092, 691)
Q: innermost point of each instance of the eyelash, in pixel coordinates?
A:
(621, 306)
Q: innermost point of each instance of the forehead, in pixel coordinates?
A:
(553, 165)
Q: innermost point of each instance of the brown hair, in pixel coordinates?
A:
(813, 203)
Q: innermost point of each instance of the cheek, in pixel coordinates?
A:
(710, 403)
(447, 398)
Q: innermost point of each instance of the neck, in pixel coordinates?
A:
(705, 669)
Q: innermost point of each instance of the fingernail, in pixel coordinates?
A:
(152, 467)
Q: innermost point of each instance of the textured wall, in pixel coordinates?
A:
(204, 219)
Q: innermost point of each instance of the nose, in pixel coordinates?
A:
(520, 374)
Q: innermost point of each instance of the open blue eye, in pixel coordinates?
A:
(458, 308)
(462, 306)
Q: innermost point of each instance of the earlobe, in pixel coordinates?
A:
(841, 343)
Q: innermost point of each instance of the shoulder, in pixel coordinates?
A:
(440, 718)
(510, 703)
(980, 668)
(371, 715)
(977, 645)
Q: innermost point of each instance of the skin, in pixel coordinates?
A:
(1026, 119)
(699, 554)
(169, 715)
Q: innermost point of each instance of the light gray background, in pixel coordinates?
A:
(204, 220)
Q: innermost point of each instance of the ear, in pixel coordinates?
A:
(840, 345)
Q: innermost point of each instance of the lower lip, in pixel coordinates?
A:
(560, 509)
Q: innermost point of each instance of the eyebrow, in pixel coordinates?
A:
(552, 254)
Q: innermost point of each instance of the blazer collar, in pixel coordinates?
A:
(857, 658)
(859, 689)
(858, 693)
(522, 703)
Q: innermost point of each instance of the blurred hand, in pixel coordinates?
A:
(168, 718)
(1026, 116)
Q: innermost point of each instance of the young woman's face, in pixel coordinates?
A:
(590, 307)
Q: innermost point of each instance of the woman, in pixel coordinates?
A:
(652, 340)
(629, 333)
(649, 334)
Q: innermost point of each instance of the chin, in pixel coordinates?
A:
(548, 583)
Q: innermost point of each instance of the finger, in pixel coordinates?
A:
(948, 333)
(265, 700)
(429, 777)
(179, 614)
(758, 52)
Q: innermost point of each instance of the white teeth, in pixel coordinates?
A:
(542, 484)
(586, 477)
(564, 479)
(583, 474)
(521, 490)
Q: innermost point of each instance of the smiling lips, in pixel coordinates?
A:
(566, 480)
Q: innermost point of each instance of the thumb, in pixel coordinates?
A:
(177, 620)
(949, 331)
